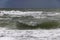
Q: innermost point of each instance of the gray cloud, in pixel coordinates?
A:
(3, 3)
(30, 3)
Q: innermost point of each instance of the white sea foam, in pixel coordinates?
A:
(40, 34)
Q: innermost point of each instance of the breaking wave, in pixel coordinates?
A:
(8, 29)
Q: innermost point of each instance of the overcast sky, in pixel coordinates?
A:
(29, 3)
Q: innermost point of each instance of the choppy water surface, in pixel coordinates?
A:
(8, 34)
(9, 31)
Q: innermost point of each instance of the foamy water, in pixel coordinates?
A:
(39, 34)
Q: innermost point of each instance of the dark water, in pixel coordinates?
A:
(29, 21)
